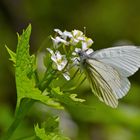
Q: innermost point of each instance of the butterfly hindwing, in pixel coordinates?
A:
(107, 84)
(99, 86)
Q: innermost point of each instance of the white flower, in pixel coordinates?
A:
(64, 34)
(77, 37)
(58, 31)
(58, 40)
(59, 60)
(77, 50)
(77, 33)
(86, 44)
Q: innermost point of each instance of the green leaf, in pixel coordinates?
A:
(77, 109)
(25, 67)
(50, 130)
(12, 55)
(74, 98)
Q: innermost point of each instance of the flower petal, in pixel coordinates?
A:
(67, 34)
(77, 50)
(50, 51)
(84, 46)
(89, 42)
(58, 55)
(58, 31)
(77, 33)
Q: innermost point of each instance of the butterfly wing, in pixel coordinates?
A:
(107, 84)
(125, 59)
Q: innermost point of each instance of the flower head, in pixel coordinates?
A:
(63, 35)
(86, 43)
(77, 36)
(59, 60)
(77, 41)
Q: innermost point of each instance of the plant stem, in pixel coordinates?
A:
(26, 105)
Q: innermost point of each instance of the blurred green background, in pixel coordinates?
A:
(107, 23)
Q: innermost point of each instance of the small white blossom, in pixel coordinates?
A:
(64, 35)
(77, 37)
(58, 59)
(78, 50)
(58, 31)
(58, 40)
(77, 33)
(89, 42)
(86, 44)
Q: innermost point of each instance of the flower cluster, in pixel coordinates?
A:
(72, 38)
(66, 46)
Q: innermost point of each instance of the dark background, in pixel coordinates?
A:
(107, 23)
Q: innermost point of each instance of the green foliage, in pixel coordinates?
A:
(25, 78)
(29, 91)
(50, 130)
(78, 109)
(25, 68)
(12, 55)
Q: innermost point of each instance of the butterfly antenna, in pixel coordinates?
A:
(74, 75)
(77, 86)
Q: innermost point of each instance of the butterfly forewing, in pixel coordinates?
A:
(125, 59)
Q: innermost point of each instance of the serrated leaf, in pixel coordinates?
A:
(40, 132)
(50, 130)
(25, 66)
(77, 109)
(74, 98)
(12, 55)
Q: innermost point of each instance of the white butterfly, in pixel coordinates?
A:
(107, 71)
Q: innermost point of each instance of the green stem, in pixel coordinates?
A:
(25, 106)
(46, 80)
(75, 87)
(18, 118)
